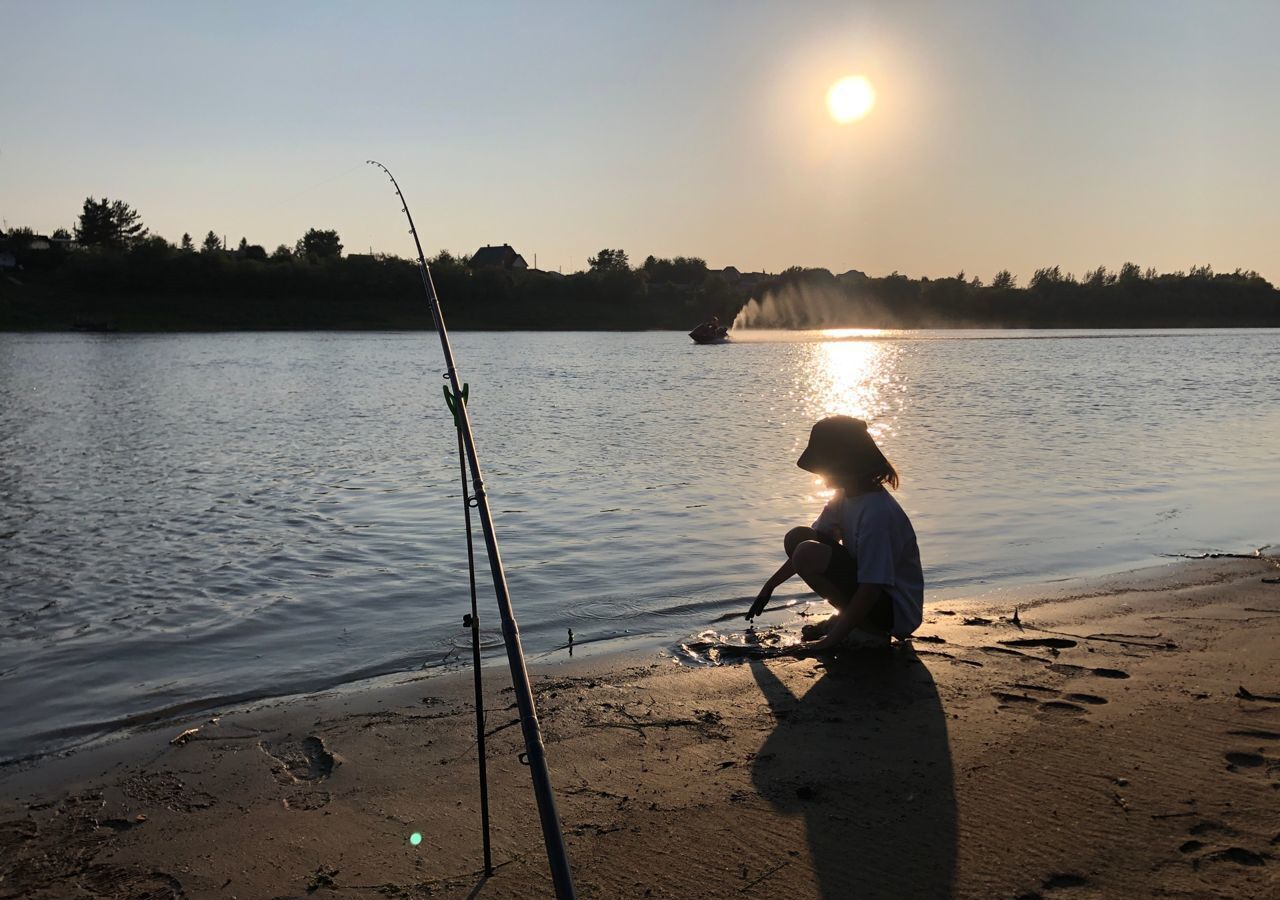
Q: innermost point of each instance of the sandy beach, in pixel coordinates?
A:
(1122, 741)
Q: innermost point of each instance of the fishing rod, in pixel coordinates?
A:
(472, 621)
(535, 753)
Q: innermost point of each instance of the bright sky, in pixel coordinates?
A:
(1004, 134)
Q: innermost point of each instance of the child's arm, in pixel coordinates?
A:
(785, 571)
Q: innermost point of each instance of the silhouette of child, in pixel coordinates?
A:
(861, 553)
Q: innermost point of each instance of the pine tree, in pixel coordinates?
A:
(109, 223)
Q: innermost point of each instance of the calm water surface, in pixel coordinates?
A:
(190, 519)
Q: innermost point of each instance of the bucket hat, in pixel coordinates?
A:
(841, 445)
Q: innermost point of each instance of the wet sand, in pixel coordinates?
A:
(1123, 742)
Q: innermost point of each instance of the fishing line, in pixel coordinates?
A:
(311, 188)
(288, 199)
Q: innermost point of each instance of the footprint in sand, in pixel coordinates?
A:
(299, 765)
(1091, 699)
(1255, 733)
(1244, 760)
(299, 761)
(1210, 827)
(1054, 643)
(1236, 855)
(1048, 701)
(1062, 707)
(1068, 669)
(1240, 760)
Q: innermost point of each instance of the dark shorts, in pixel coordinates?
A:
(843, 570)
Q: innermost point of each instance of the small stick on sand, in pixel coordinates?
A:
(749, 885)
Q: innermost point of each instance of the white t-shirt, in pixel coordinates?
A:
(878, 534)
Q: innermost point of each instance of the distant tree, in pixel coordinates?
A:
(151, 248)
(94, 228)
(1046, 277)
(211, 244)
(609, 261)
(1130, 272)
(61, 234)
(1004, 280)
(282, 252)
(1151, 274)
(1099, 277)
(255, 252)
(18, 238)
(1205, 272)
(318, 244)
(975, 282)
(448, 263)
(244, 245)
(685, 270)
(187, 244)
(109, 223)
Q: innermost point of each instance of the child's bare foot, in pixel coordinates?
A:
(867, 639)
(817, 630)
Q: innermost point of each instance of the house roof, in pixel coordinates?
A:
(504, 256)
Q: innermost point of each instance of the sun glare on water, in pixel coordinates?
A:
(851, 98)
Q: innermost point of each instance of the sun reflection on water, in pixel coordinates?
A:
(845, 334)
(852, 378)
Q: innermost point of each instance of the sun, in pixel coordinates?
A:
(850, 98)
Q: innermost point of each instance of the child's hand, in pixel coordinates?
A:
(762, 600)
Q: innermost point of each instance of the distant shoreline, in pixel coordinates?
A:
(562, 329)
(106, 292)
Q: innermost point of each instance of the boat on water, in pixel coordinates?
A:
(710, 333)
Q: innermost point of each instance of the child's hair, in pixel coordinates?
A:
(844, 452)
(868, 468)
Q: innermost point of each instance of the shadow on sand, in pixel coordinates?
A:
(863, 755)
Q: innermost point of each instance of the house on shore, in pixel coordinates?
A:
(504, 257)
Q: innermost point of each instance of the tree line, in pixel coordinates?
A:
(111, 272)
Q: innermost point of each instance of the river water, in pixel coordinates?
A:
(191, 520)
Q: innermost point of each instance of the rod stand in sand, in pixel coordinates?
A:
(535, 753)
(472, 621)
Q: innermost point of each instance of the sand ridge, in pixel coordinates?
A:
(1119, 743)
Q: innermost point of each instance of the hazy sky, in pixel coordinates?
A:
(1014, 134)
